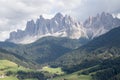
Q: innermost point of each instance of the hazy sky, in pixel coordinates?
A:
(15, 13)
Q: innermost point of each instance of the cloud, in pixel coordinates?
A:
(92, 7)
(15, 13)
(4, 35)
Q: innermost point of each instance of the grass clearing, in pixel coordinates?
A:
(4, 64)
(53, 70)
(31, 79)
(9, 78)
(73, 77)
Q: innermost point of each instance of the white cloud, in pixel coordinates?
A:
(118, 15)
(92, 7)
(4, 35)
(15, 13)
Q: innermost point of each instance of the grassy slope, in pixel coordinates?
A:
(6, 66)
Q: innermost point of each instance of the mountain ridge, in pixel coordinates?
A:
(100, 24)
(59, 26)
(65, 26)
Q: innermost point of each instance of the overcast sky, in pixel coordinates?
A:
(15, 13)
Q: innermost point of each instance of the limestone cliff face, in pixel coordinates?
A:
(65, 26)
(59, 26)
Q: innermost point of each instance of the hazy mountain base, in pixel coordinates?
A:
(44, 50)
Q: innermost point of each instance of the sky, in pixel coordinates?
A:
(14, 14)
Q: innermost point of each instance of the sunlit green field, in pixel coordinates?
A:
(9, 78)
(53, 70)
(74, 76)
(31, 79)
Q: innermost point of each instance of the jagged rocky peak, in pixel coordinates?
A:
(65, 26)
(57, 19)
(69, 19)
(59, 26)
(30, 25)
(106, 14)
(100, 24)
(99, 17)
(59, 15)
(41, 17)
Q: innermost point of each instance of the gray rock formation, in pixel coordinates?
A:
(65, 26)
(59, 26)
(100, 24)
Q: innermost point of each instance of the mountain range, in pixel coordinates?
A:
(59, 26)
(64, 26)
